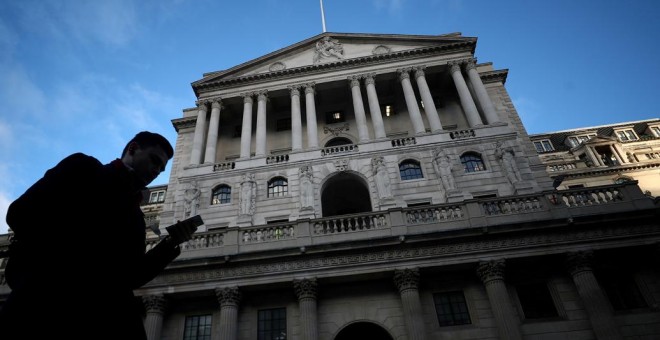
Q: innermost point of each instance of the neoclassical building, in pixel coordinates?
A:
(378, 186)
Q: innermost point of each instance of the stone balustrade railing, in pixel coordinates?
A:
(342, 224)
(224, 166)
(403, 141)
(591, 196)
(562, 167)
(431, 214)
(462, 134)
(269, 233)
(512, 205)
(331, 150)
(277, 159)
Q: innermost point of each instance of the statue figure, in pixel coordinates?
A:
(248, 189)
(442, 165)
(306, 188)
(507, 158)
(191, 199)
(382, 177)
(326, 48)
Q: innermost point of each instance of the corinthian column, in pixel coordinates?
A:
(411, 101)
(306, 293)
(212, 141)
(580, 265)
(296, 124)
(246, 128)
(310, 112)
(427, 99)
(467, 102)
(491, 274)
(358, 108)
(228, 298)
(200, 131)
(374, 106)
(479, 88)
(260, 149)
(407, 281)
(155, 306)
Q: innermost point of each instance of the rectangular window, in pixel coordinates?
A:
(623, 292)
(536, 301)
(334, 117)
(543, 145)
(451, 309)
(271, 324)
(388, 110)
(573, 141)
(157, 197)
(198, 327)
(655, 130)
(626, 135)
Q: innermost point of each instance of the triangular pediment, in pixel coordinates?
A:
(329, 48)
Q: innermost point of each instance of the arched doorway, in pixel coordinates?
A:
(363, 330)
(345, 193)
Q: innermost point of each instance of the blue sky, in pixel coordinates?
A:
(85, 76)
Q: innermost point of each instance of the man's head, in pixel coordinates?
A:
(147, 154)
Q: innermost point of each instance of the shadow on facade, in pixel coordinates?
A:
(363, 330)
(345, 193)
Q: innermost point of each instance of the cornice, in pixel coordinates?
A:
(494, 76)
(617, 169)
(182, 123)
(316, 68)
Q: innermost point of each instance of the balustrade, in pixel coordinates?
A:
(269, 233)
(403, 141)
(434, 214)
(350, 223)
(514, 205)
(561, 167)
(277, 159)
(462, 134)
(224, 166)
(339, 149)
(591, 196)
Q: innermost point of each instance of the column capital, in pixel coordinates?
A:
(370, 78)
(419, 71)
(354, 80)
(309, 87)
(262, 95)
(406, 279)
(216, 103)
(247, 97)
(579, 261)
(455, 66)
(491, 270)
(201, 104)
(155, 303)
(404, 73)
(470, 64)
(228, 295)
(305, 288)
(294, 90)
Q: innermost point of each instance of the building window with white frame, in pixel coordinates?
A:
(574, 141)
(626, 135)
(278, 187)
(655, 130)
(157, 197)
(543, 146)
(221, 194)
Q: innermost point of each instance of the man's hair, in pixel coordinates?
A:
(147, 139)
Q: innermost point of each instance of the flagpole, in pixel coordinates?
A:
(322, 16)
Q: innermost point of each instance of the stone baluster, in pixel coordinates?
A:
(411, 101)
(491, 274)
(229, 299)
(374, 106)
(310, 112)
(482, 95)
(471, 112)
(427, 99)
(200, 132)
(306, 291)
(407, 281)
(155, 306)
(580, 265)
(214, 125)
(246, 128)
(296, 123)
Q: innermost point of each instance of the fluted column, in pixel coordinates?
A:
(306, 293)
(260, 148)
(580, 265)
(212, 140)
(491, 274)
(155, 307)
(374, 106)
(229, 299)
(407, 281)
(427, 99)
(358, 108)
(200, 131)
(616, 154)
(310, 112)
(411, 101)
(467, 102)
(296, 123)
(484, 99)
(246, 128)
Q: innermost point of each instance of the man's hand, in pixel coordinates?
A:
(182, 231)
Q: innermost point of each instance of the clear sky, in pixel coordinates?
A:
(85, 76)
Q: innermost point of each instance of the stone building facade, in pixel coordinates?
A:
(376, 186)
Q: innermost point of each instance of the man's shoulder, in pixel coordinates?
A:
(80, 159)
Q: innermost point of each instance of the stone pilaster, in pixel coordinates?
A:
(260, 148)
(214, 125)
(229, 299)
(296, 123)
(374, 106)
(155, 306)
(411, 101)
(246, 128)
(200, 132)
(491, 274)
(427, 99)
(407, 281)
(306, 291)
(580, 265)
(310, 113)
(484, 99)
(471, 112)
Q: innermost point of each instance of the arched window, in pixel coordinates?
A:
(221, 194)
(277, 187)
(410, 169)
(472, 162)
(338, 141)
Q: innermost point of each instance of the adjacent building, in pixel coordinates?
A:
(379, 186)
